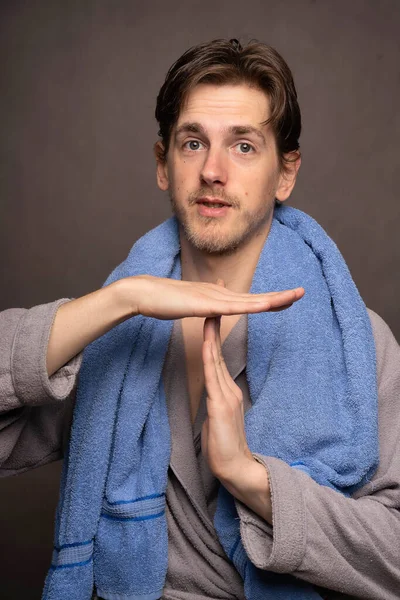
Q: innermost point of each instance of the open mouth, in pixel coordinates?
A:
(212, 204)
(212, 207)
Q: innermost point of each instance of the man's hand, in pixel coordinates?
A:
(172, 299)
(223, 437)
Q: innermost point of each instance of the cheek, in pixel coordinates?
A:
(185, 181)
(184, 176)
(268, 184)
(179, 186)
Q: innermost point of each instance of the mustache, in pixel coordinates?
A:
(217, 194)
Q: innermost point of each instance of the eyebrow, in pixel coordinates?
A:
(232, 130)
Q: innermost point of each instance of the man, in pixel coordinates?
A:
(268, 484)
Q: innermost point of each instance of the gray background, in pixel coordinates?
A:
(78, 85)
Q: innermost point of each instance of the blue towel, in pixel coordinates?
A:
(312, 378)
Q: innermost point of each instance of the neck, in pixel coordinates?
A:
(235, 268)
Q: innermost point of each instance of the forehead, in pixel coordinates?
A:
(226, 105)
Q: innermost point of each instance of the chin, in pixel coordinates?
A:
(213, 242)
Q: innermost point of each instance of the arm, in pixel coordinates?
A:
(34, 409)
(350, 545)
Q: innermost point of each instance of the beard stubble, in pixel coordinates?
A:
(210, 237)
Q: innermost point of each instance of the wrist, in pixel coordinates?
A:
(124, 296)
(247, 476)
(250, 485)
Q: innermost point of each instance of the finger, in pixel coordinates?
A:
(213, 335)
(237, 307)
(280, 308)
(285, 297)
(218, 289)
(222, 369)
(222, 292)
(247, 303)
(281, 298)
(220, 365)
(214, 393)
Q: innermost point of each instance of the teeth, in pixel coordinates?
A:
(213, 204)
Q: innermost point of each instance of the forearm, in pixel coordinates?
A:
(79, 322)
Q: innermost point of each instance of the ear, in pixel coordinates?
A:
(162, 169)
(288, 175)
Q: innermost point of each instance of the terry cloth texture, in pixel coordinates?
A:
(312, 378)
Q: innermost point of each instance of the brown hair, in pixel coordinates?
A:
(228, 62)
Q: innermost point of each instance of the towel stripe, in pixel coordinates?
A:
(80, 564)
(72, 555)
(145, 518)
(58, 548)
(139, 509)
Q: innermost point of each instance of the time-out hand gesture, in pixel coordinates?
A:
(80, 321)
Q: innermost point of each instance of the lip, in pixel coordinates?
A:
(205, 209)
(208, 200)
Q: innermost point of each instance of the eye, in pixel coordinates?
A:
(245, 148)
(193, 145)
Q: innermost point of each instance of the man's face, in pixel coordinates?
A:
(222, 170)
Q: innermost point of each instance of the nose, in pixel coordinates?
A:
(214, 168)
